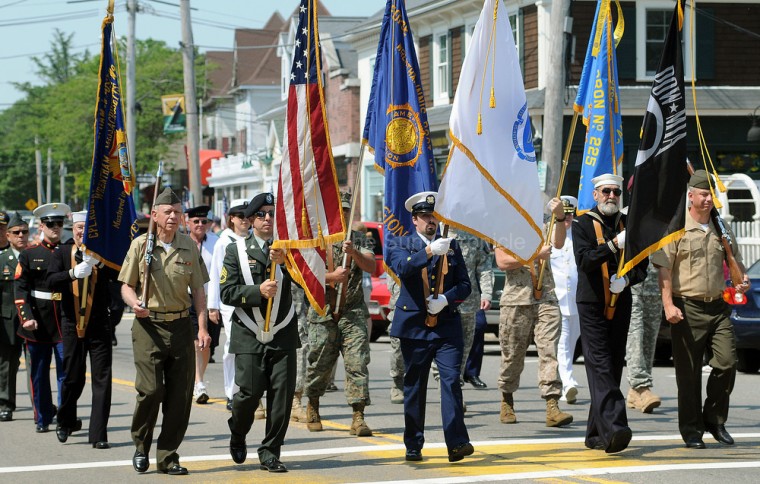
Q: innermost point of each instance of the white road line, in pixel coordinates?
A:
(393, 447)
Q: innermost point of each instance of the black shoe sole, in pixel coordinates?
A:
(619, 441)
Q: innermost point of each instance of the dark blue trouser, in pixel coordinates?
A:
(40, 357)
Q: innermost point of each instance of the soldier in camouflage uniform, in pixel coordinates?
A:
(344, 333)
(478, 263)
(298, 413)
(646, 315)
(521, 314)
(397, 359)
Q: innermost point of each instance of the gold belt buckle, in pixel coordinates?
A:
(56, 296)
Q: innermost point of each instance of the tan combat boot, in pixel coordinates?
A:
(644, 399)
(397, 395)
(507, 413)
(313, 422)
(297, 412)
(358, 426)
(554, 416)
(260, 413)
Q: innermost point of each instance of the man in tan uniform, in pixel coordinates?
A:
(691, 280)
(163, 333)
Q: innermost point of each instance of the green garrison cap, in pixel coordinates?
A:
(167, 197)
(699, 180)
(15, 221)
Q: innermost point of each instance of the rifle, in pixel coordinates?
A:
(151, 240)
(431, 320)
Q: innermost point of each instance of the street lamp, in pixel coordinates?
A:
(753, 135)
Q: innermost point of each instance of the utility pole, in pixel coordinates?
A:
(553, 105)
(131, 80)
(62, 182)
(38, 166)
(191, 104)
(49, 191)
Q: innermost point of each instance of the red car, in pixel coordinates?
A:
(380, 297)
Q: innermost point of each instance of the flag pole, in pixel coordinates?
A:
(272, 270)
(340, 289)
(538, 290)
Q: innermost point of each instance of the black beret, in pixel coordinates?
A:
(15, 221)
(699, 180)
(167, 197)
(199, 211)
(257, 202)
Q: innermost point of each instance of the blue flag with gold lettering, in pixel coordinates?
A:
(598, 101)
(111, 215)
(396, 129)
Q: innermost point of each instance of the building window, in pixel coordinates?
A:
(658, 22)
(443, 71)
(651, 29)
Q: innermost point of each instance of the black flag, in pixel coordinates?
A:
(657, 210)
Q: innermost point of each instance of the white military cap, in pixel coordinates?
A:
(423, 202)
(569, 203)
(52, 211)
(607, 179)
(80, 216)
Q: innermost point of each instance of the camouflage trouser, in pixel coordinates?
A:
(515, 325)
(397, 359)
(327, 340)
(646, 314)
(302, 353)
(468, 334)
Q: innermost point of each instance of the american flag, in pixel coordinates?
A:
(308, 211)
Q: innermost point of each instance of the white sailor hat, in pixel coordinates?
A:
(423, 202)
(607, 179)
(569, 203)
(80, 216)
(52, 212)
(237, 207)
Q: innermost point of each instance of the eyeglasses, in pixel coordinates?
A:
(264, 213)
(200, 222)
(53, 225)
(19, 232)
(615, 191)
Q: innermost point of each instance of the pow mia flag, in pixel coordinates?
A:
(657, 211)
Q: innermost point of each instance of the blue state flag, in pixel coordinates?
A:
(598, 101)
(396, 128)
(111, 218)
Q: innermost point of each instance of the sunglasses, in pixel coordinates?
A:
(19, 232)
(264, 213)
(615, 191)
(53, 225)
(200, 222)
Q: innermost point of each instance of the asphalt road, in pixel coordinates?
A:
(526, 451)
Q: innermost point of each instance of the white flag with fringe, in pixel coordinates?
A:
(490, 184)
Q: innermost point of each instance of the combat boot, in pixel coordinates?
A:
(507, 413)
(260, 413)
(358, 426)
(397, 395)
(643, 399)
(313, 421)
(554, 416)
(297, 412)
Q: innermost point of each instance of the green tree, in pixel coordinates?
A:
(60, 64)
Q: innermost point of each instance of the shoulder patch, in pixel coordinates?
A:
(223, 275)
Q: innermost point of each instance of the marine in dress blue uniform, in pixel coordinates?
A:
(413, 259)
(38, 309)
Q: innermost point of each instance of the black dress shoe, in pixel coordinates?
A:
(460, 452)
(720, 434)
(175, 470)
(77, 426)
(695, 443)
(273, 464)
(41, 429)
(238, 452)
(62, 433)
(140, 461)
(6, 416)
(229, 404)
(101, 445)
(413, 455)
(619, 440)
(476, 382)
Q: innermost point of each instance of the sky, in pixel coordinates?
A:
(27, 27)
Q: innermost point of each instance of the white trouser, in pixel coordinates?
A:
(568, 338)
(228, 360)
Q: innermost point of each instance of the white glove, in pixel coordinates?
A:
(440, 246)
(89, 260)
(621, 239)
(617, 284)
(435, 306)
(82, 270)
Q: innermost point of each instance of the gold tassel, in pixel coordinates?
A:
(492, 103)
(480, 124)
(720, 184)
(305, 228)
(320, 238)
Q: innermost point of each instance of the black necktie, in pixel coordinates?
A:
(265, 248)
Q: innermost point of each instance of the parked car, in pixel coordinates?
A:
(746, 320)
(378, 306)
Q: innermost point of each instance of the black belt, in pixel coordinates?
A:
(701, 299)
(169, 316)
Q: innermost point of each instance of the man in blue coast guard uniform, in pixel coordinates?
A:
(413, 259)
